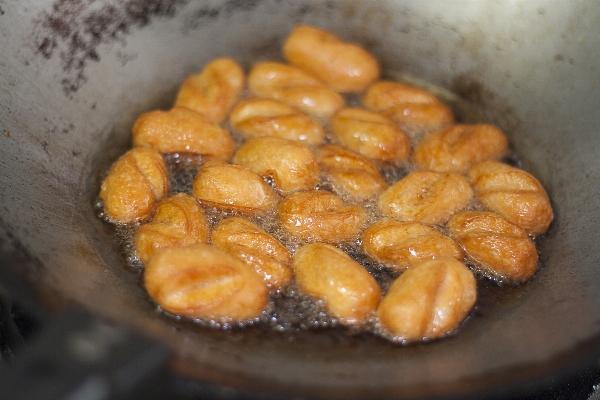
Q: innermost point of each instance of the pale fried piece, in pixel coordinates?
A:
(135, 182)
(428, 301)
(291, 165)
(202, 281)
(233, 188)
(416, 111)
(401, 245)
(250, 243)
(513, 193)
(495, 245)
(320, 216)
(294, 87)
(266, 117)
(426, 196)
(325, 272)
(178, 221)
(343, 66)
(213, 92)
(182, 130)
(370, 134)
(350, 174)
(459, 147)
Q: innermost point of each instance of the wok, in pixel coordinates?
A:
(74, 74)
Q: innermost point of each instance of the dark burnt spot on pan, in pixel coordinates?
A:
(74, 29)
(489, 106)
(204, 13)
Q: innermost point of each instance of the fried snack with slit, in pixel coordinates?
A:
(135, 182)
(513, 193)
(426, 196)
(320, 216)
(229, 187)
(400, 245)
(290, 165)
(294, 87)
(178, 221)
(202, 281)
(181, 130)
(213, 91)
(251, 244)
(416, 111)
(459, 147)
(265, 117)
(350, 174)
(325, 272)
(495, 245)
(344, 67)
(428, 301)
(370, 134)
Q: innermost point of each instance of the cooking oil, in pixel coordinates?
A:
(290, 310)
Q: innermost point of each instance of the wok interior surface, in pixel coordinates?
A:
(75, 74)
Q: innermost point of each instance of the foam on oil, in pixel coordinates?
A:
(291, 310)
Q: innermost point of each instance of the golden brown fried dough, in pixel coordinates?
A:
(350, 174)
(320, 216)
(178, 221)
(343, 66)
(266, 117)
(213, 92)
(182, 130)
(370, 134)
(416, 111)
(426, 196)
(401, 245)
(202, 281)
(248, 242)
(495, 245)
(294, 87)
(350, 293)
(291, 165)
(428, 301)
(458, 148)
(233, 188)
(513, 193)
(135, 182)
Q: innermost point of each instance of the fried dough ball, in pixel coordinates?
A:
(350, 174)
(178, 221)
(266, 117)
(513, 193)
(320, 216)
(370, 134)
(495, 245)
(323, 271)
(343, 66)
(416, 111)
(459, 147)
(213, 92)
(401, 245)
(291, 165)
(248, 242)
(182, 130)
(202, 281)
(294, 87)
(426, 196)
(428, 301)
(233, 188)
(135, 182)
